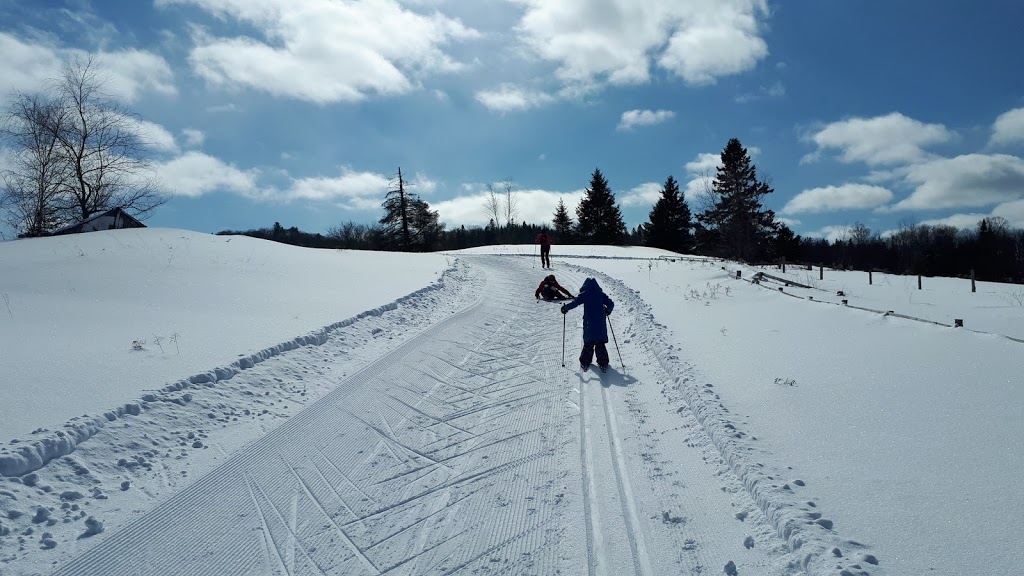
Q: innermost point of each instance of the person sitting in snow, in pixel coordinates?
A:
(550, 289)
(596, 305)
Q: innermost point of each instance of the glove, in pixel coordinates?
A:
(563, 309)
(607, 312)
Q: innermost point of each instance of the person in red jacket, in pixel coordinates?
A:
(544, 239)
(550, 289)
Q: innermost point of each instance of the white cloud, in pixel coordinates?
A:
(1008, 128)
(970, 180)
(618, 41)
(324, 51)
(130, 73)
(843, 197)
(701, 172)
(510, 97)
(535, 206)
(348, 186)
(830, 233)
(961, 221)
(153, 135)
(28, 66)
(193, 137)
(194, 174)
(791, 222)
(1012, 211)
(645, 194)
(882, 140)
(633, 118)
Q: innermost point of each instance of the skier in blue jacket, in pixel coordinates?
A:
(596, 305)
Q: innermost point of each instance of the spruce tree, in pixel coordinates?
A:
(562, 222)
(736, 225)
(599, 219)
(670, 222)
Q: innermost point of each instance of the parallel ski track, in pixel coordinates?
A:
(322, 503)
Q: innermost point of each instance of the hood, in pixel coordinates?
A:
(590, 285)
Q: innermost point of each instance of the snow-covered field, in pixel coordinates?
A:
(296, 411)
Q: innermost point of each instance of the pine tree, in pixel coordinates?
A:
(736, 225)
(409, 223)
(599, 219)
(670, 222)
(562, 222)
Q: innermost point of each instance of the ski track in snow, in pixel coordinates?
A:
(460, 447)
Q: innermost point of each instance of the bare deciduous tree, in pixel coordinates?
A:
(75, 153)
(492, 205)
(511, 203)
(106, 154)
(33, 184)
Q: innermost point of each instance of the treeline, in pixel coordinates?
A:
(732, 224)
(993, 250)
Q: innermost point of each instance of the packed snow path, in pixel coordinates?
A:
(470, 449)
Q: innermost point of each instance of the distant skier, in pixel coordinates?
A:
(596, 305)
(550, 289)
(544, 239)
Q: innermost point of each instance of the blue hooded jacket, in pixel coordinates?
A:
(595, 303)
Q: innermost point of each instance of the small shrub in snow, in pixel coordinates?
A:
(138, 344)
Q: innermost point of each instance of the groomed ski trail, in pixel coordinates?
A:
(468, 449)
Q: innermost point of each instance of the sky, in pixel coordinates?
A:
(303, 111)
(158, 380)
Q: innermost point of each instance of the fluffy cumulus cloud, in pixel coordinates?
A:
(701, 172)
(153, 135)
(1008, 128)
(970, 180)
(26, 66)
(193, 137)
(843, 197)
(535, 206)
(130, 73)
(618, 41)
(645, 194)
(633, 118)
(194, 174)
(349, 188)
(29, 65)
(831, 233)
(325, 51)
(892, 139)
(513, 98)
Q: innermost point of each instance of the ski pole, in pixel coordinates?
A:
(563, 340)
(619, 352)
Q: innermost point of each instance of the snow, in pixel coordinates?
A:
(351, 412)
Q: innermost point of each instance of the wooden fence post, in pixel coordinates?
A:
(973, 287)
(821, 272)
(783, 264)
(918, 281)
(870, 279)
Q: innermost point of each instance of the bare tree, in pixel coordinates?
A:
(492, 205)
(511, 203)
(33, 185)
(100, 141)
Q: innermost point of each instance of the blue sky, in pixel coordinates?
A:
(301, 111)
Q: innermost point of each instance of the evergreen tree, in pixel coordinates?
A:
(562, 222)
(408, 222)
(736, 225)
(670, 222)
(599, 219)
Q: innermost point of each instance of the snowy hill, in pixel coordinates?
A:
(278, 410)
